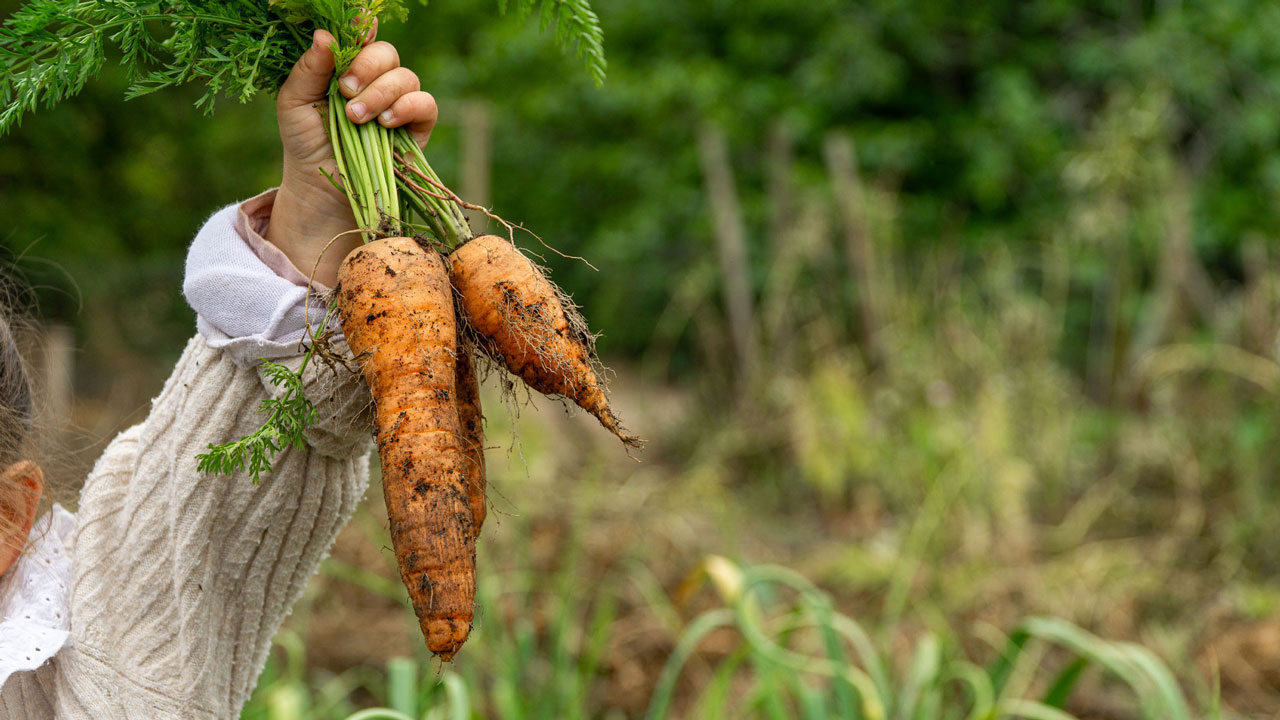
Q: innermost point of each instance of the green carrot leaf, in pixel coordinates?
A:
(576, 27)
(49, 49)
(288, 417)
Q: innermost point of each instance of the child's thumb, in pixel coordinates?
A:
(308, 82)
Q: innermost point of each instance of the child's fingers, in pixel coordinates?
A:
(417, 110)
(309, 80)
(372, 62)
(381, 93)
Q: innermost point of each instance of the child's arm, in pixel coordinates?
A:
(181, 578)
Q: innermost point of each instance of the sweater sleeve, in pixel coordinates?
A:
(180, 578)
(249, 298)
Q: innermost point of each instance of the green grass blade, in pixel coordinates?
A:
(455, 693)
(749, 622)
(1146, 675)
(981, 694)
(402, 685)
(859, 638)
(1060, 691)
(597, 638)
(771, 689)
(1030, 710)
(867, 653)
(1168, 691)
(922, 672)
(655, 598)
(561, 633)
(1003, 667)
(811, 701)
(714, 701)
(697, 630)
(842, 691)
(506, 698)
(1215, 693)
(379, 714)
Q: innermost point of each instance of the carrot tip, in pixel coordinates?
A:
(445, 636)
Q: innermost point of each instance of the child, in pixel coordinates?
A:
(174, 581)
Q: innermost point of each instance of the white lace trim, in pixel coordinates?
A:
(35, 603)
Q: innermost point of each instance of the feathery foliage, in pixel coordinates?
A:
(287, 417)
(576, 26)
(49, 49)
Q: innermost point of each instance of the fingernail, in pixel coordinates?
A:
(350, 82)
(387, 117)
(359, 110)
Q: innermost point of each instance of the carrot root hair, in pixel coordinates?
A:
(532, 327)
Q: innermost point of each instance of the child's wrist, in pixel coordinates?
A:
(308, 226)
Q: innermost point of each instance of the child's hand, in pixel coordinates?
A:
(309, 210)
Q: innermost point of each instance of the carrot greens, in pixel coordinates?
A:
(49, 49)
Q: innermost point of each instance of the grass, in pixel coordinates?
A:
(792, 656)
(843, 675)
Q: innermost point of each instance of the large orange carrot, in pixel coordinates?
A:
(471, 421)
(522, 322)
(396, 308)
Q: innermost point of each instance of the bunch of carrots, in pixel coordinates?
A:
(396, 301)
(420, 303)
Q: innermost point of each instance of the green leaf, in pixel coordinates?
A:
(288, 417)
(1060, 691)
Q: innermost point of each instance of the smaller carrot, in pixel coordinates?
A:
(471, 422)
(523, 323)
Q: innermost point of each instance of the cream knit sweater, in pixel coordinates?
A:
(181, 579)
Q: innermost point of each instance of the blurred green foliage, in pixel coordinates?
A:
(971, 111)
(771, 646)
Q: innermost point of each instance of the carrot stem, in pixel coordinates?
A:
(454, 229)
(357, 161)
(334, 136)
(382, 198)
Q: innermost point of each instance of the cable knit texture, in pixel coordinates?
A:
(180, 578)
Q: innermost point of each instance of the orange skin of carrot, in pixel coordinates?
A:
(518, 314)
(397, 312)
(471, 421)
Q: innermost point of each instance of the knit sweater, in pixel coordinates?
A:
(181, 579)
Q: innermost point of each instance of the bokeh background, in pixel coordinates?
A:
(964, 311)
